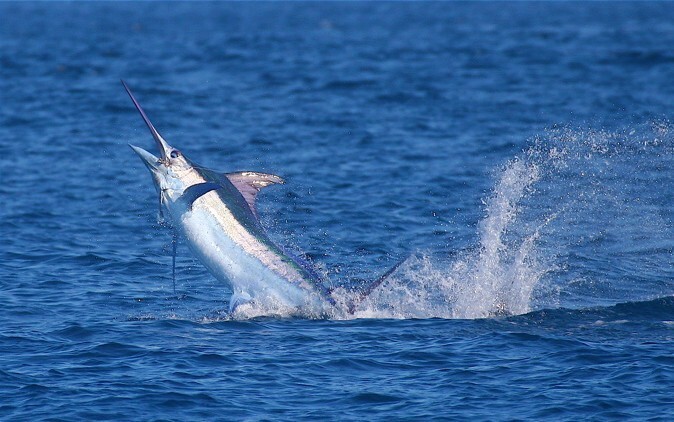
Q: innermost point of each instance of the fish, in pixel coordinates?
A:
(216, 214)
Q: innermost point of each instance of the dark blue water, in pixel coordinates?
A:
(521, 155)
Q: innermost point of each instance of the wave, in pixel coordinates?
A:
(660, 310)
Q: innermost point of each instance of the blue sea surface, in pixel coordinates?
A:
(520, 155)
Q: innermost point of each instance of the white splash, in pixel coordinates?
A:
(496, 278)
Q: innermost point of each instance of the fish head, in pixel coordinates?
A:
(171, 166)
(167, 172)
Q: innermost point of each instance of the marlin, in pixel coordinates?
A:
(216, 214)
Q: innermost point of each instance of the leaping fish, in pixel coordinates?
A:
(216, 214)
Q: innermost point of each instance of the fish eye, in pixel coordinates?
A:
(175, 153)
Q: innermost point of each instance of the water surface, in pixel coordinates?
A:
(520, 154)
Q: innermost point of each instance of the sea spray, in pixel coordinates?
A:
(500, 270)
(496, 278)
(574, 202)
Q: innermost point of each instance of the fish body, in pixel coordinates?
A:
(216, 214)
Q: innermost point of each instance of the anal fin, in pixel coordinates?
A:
(237, 300)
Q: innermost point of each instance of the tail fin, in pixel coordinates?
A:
(367, 290)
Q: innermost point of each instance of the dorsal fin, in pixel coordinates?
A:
(249, 184)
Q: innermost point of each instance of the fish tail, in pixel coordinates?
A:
(368, 289)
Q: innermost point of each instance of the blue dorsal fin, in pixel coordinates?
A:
(194, 192)
(249, 184)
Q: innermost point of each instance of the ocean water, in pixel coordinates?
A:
(519, 155)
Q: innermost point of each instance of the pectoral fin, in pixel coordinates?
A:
(194, 192)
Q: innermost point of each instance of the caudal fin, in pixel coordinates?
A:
(368, 289)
